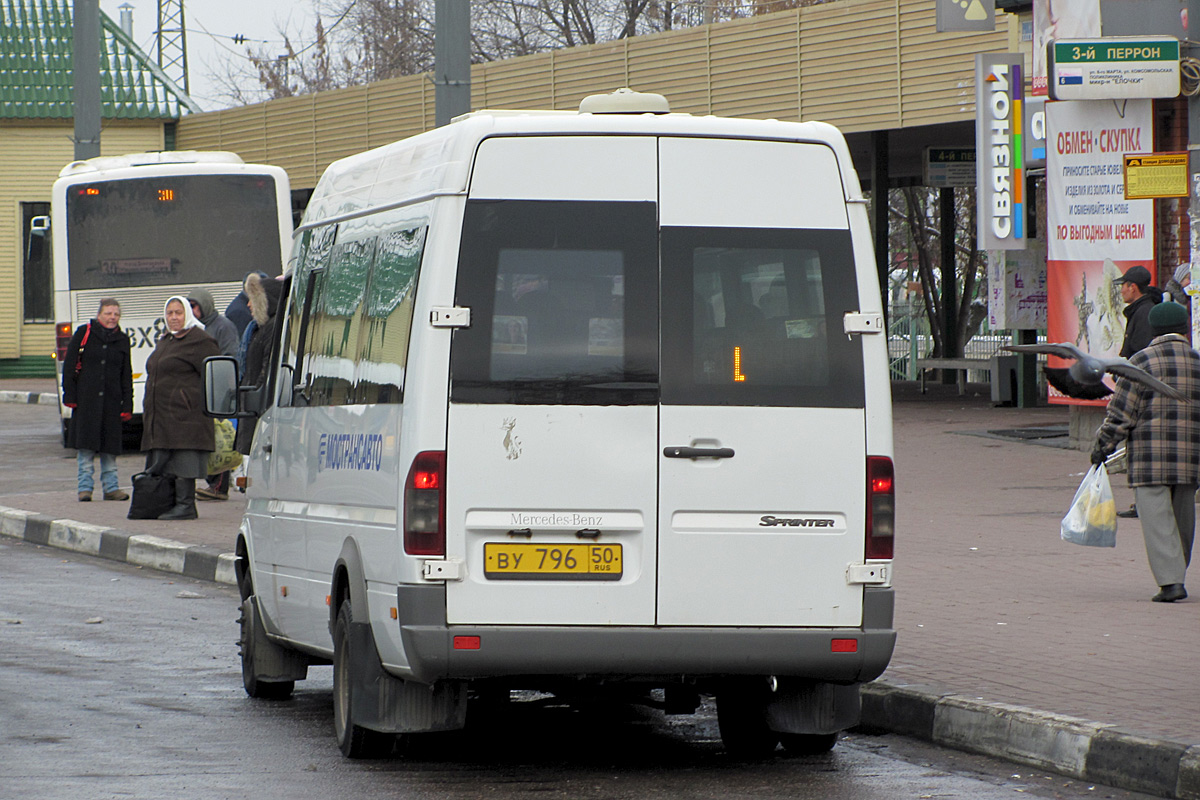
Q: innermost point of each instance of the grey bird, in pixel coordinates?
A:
(1083, 378)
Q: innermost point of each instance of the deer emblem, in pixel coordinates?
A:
(512, 442)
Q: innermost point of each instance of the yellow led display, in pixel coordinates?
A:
(166, 195)
(737, 365)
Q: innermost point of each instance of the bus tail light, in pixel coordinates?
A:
(881, 507)
(62, 337)
(425, 505)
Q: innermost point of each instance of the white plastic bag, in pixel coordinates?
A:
(1092, 519)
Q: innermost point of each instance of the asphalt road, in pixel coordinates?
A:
(119, 682)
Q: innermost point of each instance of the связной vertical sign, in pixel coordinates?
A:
(1000, 175)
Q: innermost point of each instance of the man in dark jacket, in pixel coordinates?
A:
(1163, 445)
(1139, 297)
(98, 388)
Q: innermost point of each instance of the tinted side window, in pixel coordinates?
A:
(564, 303)
(312, 252)
(388, 313)
(337, 316)
(754, 317)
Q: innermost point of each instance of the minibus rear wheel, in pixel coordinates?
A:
(742, 718)
(354, 740)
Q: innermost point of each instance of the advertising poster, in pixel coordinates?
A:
(1094, 234)
(1059, 19)
(1016, 291)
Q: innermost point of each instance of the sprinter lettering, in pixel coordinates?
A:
(769, 521)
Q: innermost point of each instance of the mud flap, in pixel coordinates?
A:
(385, 703)
(272, 663)
(812, 707)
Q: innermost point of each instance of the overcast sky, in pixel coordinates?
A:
(211, 26)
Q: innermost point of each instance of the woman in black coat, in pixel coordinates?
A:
(97, 386)
(176, 435)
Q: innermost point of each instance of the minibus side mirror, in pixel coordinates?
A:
(223, 397)
(39, 226)
(221, 386)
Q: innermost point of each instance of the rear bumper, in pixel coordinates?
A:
(641, 651)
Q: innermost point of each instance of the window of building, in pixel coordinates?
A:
(37, 276)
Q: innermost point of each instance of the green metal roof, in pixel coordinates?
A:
(36, 76)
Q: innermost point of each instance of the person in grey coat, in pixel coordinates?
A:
(226, 335)
(222, 330)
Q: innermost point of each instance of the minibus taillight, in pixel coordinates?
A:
(62, 337)
(425, 505)
(881, 507)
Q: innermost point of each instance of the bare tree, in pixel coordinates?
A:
(361, 41)
(916, 236)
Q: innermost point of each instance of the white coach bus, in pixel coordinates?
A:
(572, 402)
(146, 226)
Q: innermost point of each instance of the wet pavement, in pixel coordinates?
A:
(1007, 635)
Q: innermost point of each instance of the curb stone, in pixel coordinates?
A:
(1070, 746)
(32, 398)
(194, 561)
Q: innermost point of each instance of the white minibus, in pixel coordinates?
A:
(576, 401)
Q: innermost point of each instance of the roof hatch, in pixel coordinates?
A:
(625, 101)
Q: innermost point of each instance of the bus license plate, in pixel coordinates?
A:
(575, 562)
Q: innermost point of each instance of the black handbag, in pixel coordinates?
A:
(153, 496)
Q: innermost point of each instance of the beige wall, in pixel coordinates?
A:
(31, 155)
(862, 65)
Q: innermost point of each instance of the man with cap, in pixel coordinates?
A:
(1163, 445)
(1139, 299)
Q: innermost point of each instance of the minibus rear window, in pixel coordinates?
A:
(564, 303)
(754, 317)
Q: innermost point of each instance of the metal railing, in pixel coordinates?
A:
(909, 339)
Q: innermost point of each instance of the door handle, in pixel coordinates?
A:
(698, 452)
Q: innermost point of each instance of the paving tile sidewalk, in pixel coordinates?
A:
(1010, 641)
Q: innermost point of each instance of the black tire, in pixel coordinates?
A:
(354, 740)
(808, 744)
(742, 719)
(258, 689)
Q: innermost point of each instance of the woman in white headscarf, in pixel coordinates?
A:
(177, 436)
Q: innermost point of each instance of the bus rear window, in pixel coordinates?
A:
(564, 303)
(166, 230)
(753, 316)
